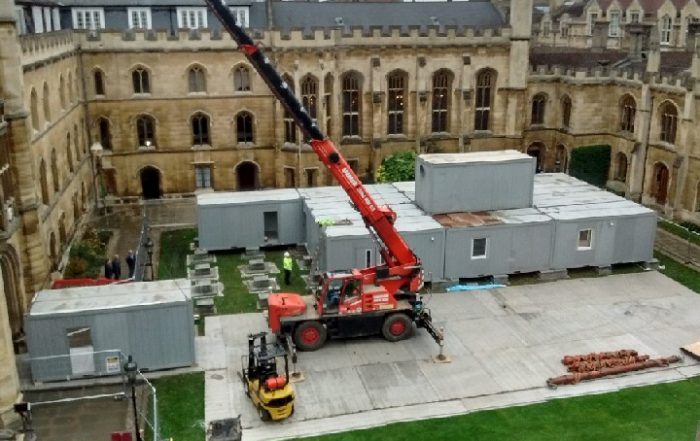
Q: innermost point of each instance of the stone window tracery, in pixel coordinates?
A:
(200, 129)
(351, 104)
(441, 101)
(244, 128)
(485, 81)
(396, 101)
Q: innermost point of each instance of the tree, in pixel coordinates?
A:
(398, 167)
(591, 164)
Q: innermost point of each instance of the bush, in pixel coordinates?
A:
(691, 226)
(88, 256)
(591, 164)
(398, 167)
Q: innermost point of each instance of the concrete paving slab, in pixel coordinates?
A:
(338, 357)
(463, 377)
(456, 306)
(362, 420)
(656, 376)
(396, 384)
(503, 343)
(492, 334)
(515, 368)
(514, 398)
(331, 393)
(217, 395)
(210, 353)
(490, 301)
(377, 350)
(689, 371)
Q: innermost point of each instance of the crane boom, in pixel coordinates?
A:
(402, 268)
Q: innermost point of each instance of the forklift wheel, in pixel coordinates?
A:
(309, 336)
(264, 414)
(397, 327)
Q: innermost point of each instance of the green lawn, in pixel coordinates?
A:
(175, 246)
(236, 297)
(652, 413)
(181, 407)
(679, 272)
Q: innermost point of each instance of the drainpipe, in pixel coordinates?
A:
(88, 123)
(645, 146)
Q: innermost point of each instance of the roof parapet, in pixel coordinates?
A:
(605, 73)
(301, 37)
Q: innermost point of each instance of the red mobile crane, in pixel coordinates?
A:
(380, 299)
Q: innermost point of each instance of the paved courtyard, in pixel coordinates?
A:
(504, 344)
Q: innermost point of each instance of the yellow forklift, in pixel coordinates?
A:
(271, 393)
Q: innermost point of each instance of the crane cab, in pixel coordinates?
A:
(345, 293)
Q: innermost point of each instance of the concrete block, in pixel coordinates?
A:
(550, 275)
(256, 265)
(501, 279)
(603, 270)
(652, 265)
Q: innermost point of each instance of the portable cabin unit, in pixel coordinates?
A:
(602, 234)
(470, 182)
(426, 237)
(319, 215)
(249, 219)
(343, 247)
(559, 189)
(76, 332)
(496, 243)
(407, 188)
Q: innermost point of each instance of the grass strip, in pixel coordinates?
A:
(659, 413)
(181, 407)
(680, 273)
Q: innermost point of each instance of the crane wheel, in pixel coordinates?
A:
(309, 336)
(397, 327)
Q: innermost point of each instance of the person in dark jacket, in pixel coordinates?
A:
(131, 263)
(116, 267)
(108, 269)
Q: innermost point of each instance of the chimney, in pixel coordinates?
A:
(7, 10)
(520, 17)
(639, 40)
(600, 35)
(654, 53)
(692, 36)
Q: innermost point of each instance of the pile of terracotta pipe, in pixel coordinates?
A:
(601, 364)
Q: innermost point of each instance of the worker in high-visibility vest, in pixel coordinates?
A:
(287, 263)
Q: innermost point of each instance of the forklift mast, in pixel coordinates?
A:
(401, 269)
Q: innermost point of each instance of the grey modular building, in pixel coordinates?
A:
(479, 181)
(87, 331)
(249, 219)
(547, 222)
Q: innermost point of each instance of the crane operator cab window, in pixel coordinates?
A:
(351, 291)
(333, 295)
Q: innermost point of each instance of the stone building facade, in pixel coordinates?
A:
(615, 23)
(176, 112)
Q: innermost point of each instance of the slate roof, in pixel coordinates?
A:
(650, 7)
(576, 58)
(145, 3)
(483, 14)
